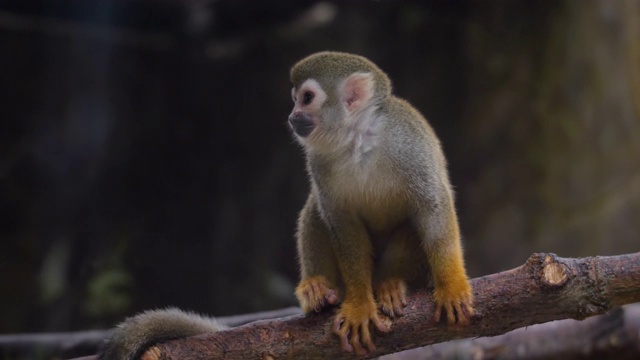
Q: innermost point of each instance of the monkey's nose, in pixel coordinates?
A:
(301, 123)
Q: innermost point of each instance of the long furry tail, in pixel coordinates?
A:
(129, 339)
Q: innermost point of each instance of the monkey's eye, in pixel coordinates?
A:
(307, 97)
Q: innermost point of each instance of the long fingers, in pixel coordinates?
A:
(392, 297)
(357, 336)
(458, 313)
(315, 293)
(381, 324)
(342, 332)
(399, 302)
(448, 309)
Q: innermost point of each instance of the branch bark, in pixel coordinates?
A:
(545, 288)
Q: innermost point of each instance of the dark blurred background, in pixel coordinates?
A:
(145, 160)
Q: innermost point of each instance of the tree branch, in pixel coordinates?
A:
(545, 288)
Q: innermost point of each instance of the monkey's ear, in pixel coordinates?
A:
(357, 90)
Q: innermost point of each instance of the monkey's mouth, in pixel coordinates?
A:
(302, 124)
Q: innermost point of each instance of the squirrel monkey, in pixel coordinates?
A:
(379, 218)
(380, 215)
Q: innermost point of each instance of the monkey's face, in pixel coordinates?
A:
(308, 100)
(326, 115)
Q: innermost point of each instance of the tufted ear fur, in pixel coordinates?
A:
(357, 91)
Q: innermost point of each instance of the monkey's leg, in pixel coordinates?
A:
(352, 245)
(395, 265)
(441, 239)
(392, 296)
(318, 266)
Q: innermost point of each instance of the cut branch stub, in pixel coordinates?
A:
(554, 274)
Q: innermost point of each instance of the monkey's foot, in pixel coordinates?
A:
(456, 301)
(315, 293)
(392, 297)
(352, 325)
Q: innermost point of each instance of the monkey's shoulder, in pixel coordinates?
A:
(409, 135)
(404, 114)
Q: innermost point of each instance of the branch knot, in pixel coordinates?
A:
(554, 273)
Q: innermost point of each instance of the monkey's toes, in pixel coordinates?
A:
(392, 297)
(316, 293)
(458, 310)
(352, 325)
(354, 335)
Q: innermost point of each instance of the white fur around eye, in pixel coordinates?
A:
(319, 96)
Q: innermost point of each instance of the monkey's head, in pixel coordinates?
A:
(330, 90)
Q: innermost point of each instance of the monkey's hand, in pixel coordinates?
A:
(392, 297)
(456, 300)
(352, 325)
(315, 293)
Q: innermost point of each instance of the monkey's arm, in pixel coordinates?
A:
(352, 245)
(135, 334)
(319, 274)
(438, 228)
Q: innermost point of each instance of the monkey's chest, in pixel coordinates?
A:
(376, 197)
(356, 184)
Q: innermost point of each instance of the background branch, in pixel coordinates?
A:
(615, 335)
(88, 341)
